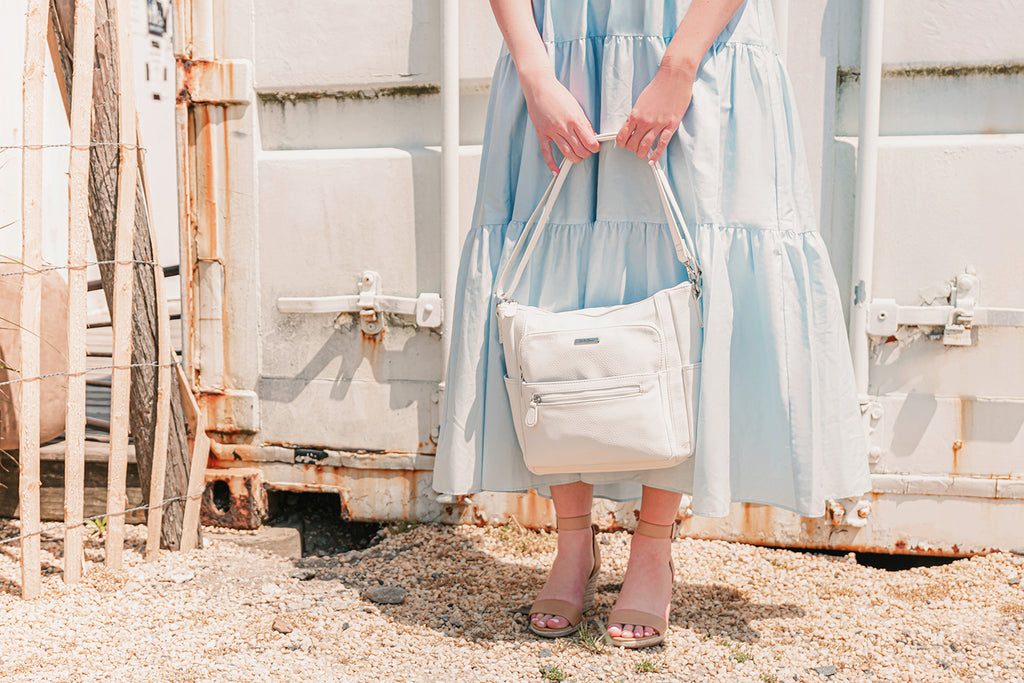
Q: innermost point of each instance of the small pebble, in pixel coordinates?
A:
(282, 626)
(302, 574)
(384, 595)
(181, 576)
(544, 652)
(828, 670)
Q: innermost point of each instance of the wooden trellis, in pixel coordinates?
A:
(80, 104)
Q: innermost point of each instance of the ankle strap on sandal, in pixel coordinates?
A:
(655, 530)
(573, 523)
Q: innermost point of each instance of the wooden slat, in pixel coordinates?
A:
(123, 282)
(31, 294)
(197, 469)
(165, 356)
(78, 239)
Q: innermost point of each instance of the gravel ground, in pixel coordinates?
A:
(740, 613)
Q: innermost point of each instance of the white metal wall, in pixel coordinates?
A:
(316, 156)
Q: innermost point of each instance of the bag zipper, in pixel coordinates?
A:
(578, 396)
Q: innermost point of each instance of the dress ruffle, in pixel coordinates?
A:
(778, 419)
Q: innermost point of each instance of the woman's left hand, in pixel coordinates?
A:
(656, 115)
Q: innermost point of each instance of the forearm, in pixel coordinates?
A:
(703, 21)
(515, 19)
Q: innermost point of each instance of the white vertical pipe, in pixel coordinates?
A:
(449, 170)
(780, 8)
(872, 25)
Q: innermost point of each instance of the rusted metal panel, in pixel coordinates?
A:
(234, 498)
(381, 487)
(215, 82)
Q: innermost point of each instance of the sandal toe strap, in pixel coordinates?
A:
(637, 618)
(560, 608)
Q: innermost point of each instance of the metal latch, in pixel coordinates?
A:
(957, 319)
(964, 298)
(370, 304)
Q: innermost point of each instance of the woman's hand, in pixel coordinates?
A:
(559, 119)
(657, 114)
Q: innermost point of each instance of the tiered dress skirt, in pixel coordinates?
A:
(778, 421)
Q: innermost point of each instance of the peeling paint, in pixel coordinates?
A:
(360, 95)
(852, 75)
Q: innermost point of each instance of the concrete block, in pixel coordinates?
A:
(283, 541)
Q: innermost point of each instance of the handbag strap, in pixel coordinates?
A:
(529, 238)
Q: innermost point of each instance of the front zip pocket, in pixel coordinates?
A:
(577, 396)
(606, 425)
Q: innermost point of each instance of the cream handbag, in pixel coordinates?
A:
(606, 389)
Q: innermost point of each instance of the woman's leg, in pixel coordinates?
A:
(647, 585)
(575, 558)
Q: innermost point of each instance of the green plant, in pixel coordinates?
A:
(97, 527)
(741, 656)
(553, 673)
(400, 527)
(646, 666)
(592, 637)
(769, 678)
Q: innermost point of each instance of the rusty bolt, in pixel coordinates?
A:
(864, 511)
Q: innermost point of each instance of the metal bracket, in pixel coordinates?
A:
(370, 303)
(957, 320)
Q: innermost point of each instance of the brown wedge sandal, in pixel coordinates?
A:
(564, 608)
(636, 617)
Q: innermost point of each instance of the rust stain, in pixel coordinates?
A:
(372, 346)
(245, 505)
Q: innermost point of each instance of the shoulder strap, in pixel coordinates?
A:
(528, 239)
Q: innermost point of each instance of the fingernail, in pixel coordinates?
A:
(650, 162)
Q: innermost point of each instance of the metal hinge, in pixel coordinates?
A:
(957, 320)
(370, 304)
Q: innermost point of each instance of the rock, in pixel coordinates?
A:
(384, 595)
(302, 574)
(181, 575)
(344, 627)
(282, 626)
(828, 670)
(544, 652)
(1014, 581)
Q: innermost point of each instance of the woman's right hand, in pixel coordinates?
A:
(559, 119)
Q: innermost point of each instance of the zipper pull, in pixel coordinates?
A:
(531, 413)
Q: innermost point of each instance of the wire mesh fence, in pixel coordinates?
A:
(24, 374)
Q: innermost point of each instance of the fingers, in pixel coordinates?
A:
(565, 145)
(549, 158)
(587, 140)
(622, 139)
(664, 137)
(643, 147)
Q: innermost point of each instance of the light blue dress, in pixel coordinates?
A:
(778, 420)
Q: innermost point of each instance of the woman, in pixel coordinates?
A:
(700, 85)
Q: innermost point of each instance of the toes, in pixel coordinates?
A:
(614, 630)
(557, 622)
(648, 632)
